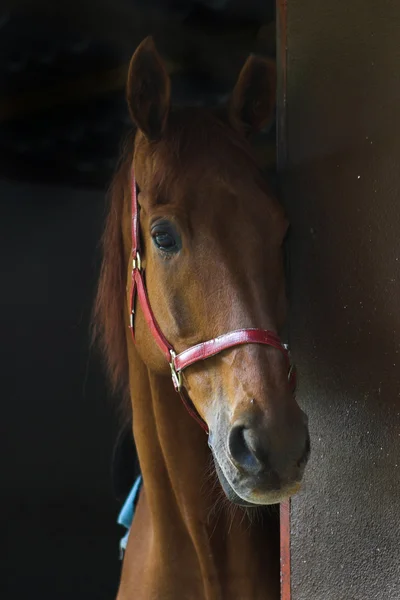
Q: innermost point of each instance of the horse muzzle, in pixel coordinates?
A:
(260, 464)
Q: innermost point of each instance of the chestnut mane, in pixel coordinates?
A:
(108, 321)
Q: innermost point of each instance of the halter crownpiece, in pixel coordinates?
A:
(202, 351)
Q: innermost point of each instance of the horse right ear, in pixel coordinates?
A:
(148, 90)
(252, 103)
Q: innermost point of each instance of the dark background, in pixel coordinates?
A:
(62, 120)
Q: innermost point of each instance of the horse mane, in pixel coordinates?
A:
(108, 319)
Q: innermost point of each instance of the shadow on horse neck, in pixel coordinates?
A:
(211, 235)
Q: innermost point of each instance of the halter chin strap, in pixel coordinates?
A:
(202, 351)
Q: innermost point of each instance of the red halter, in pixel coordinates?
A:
(179, 362)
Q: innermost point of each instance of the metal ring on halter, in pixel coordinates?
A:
(291, 365)
(137, 262)
(176, 375)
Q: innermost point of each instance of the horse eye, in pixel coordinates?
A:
(165, 238)
(164, 241)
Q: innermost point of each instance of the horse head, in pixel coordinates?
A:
(211, 235)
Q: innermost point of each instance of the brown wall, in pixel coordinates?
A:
(341, 186)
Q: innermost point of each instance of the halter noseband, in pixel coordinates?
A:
(202, 351)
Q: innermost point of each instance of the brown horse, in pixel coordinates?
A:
(211, 236)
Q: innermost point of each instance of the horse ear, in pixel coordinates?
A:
(252, 103)
(148, 90)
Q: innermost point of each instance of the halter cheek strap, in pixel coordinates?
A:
(202, 351)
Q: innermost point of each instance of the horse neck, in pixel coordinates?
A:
(185, 500)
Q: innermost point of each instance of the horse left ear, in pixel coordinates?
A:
(252, 103)
(148, 90)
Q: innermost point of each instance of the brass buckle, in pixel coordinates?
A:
(137, 262)
(291, 366)
(176, 375)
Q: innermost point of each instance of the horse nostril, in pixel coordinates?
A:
(241, 452)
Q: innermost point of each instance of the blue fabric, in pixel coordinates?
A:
(125, 516)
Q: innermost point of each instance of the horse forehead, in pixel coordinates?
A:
(208, 185)
(227, 208)
(238, 199)
(214, 165)
(229, 185)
